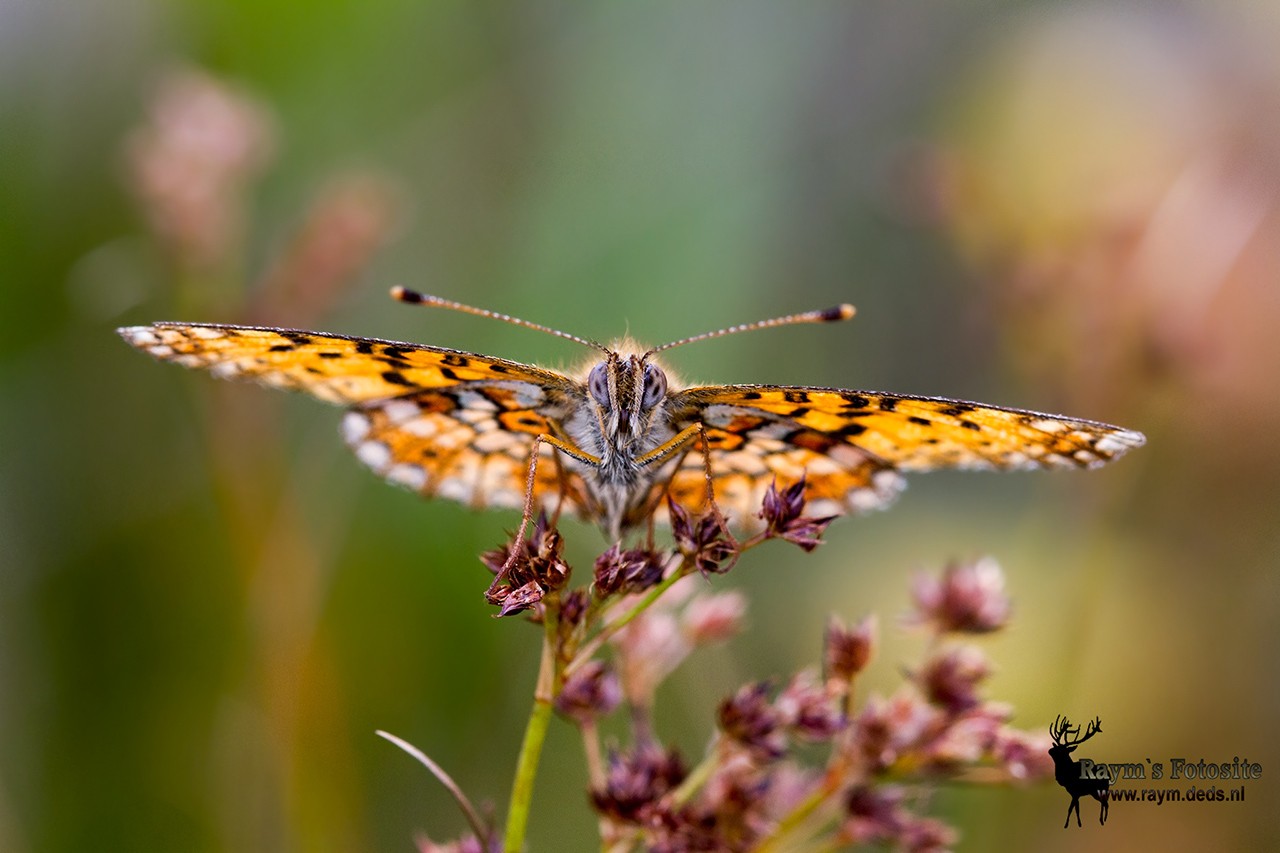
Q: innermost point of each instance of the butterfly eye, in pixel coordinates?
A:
(598, 384)
(655, 386)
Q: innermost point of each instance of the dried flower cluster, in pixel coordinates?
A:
(194, 164)
(616, 641)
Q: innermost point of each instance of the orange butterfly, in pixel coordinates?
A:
(619, 437)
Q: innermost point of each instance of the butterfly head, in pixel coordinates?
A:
(627, 392)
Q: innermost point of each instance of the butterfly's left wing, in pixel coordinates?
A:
(439, 421)
(334, 368)
(850, 445)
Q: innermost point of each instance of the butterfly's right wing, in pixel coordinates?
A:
(439, 421)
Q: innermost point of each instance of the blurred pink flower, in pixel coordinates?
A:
(968, 598)
(191, 162)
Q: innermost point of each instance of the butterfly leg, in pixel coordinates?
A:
(562, 478)
(711, 492)
(681, 443)
(531, 480)
(675, 450)
(673, 445)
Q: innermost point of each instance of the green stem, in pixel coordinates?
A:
(526, 770)
(697, 777)
(535, 734)
(794, 819)
(592, 646)
(836, 772)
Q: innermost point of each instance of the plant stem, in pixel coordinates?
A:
(535, 734)
(468, 810)
(835, 776)
(584, 654)
(595, 763)
(526, 770)
(797, 816)
(697, 777)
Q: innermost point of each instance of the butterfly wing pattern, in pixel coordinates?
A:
(460, 425)
(435, 420)
(851, 445)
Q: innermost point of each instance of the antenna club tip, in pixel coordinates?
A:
(843, 311)
(404, 294)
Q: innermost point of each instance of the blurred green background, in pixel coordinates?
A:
(207, 606)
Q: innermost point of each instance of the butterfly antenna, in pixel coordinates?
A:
(413, 297)
(827, 315)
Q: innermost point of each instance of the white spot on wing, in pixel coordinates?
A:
(476, 401)
(495, 441)
(888, 483)
(528, 395)
(139, 336)
(1047, 425)
(745, 461)
(474, 416)
(455, 489)
(847, 456)
(399, 411)
(355, 426)
(411, 476)
(451, 439)
(1119, 442)
(424, 427)
(861, 500)
(375, 454)
(776, 431)
(825, 506)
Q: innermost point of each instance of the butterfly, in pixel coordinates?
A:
(614, 441)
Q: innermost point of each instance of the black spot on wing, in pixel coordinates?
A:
(816, 442)
(854, 401)
(396, 353)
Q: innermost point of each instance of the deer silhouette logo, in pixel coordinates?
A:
(1067, 772)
